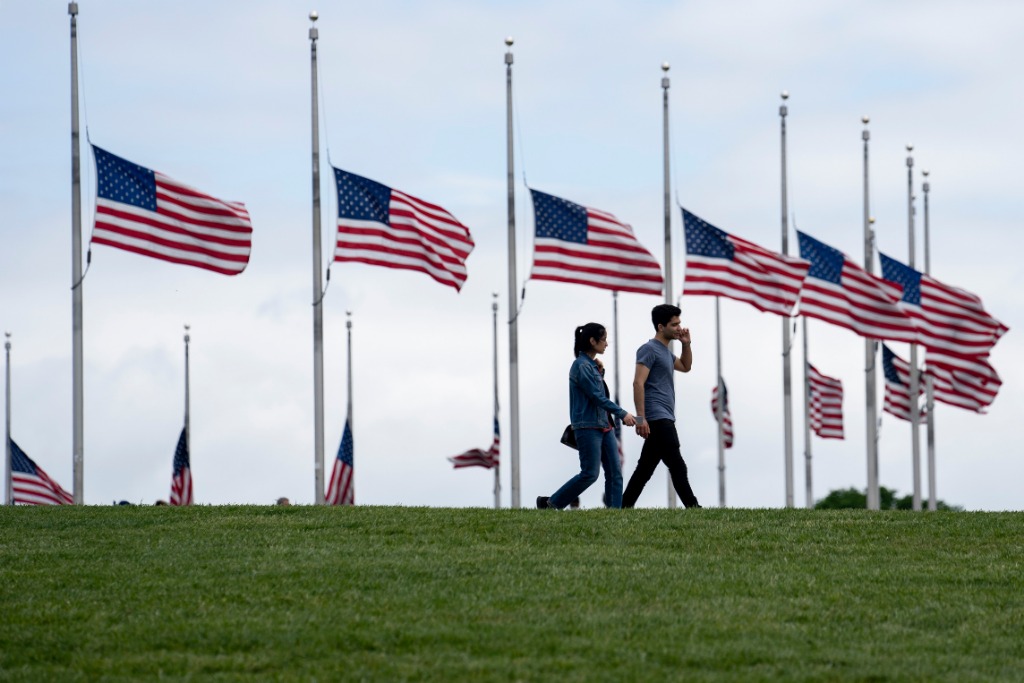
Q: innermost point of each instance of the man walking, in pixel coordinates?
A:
(655, 398)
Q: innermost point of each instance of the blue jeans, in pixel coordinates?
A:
(597, 448)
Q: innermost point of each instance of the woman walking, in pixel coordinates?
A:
(591, 413)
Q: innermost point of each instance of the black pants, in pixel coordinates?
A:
(661, 446)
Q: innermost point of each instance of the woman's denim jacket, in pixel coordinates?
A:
(588, 404)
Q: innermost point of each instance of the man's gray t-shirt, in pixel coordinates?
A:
(659, 389)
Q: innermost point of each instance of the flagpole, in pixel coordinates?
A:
(78, 452)
(348, 332)
(318, 311)
(720, 407)
(497, 464)
(929, 382)
(870, 350)
(672, 501)
(513, 309)
(8, 488)
(787, 375)
(807, 422)
(915, 418)
(188, 429)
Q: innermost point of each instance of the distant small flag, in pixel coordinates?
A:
(146, 212)
(30, 484)
(341, 489)
(726, 415)
(384, 227)
(840, 292)
(476, 457)
(577, 244)
(947, 318)
(826, 404)
(181, 480)
(897, 386)
(720, 264)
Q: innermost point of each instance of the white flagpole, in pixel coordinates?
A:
(787, 375)
(318, 311)
(348, 351)
(188, 428)
(513, 308)
(915, 418)
(497, 466)
(807, 422)
(672, 499)
(929, 383)
(870, 346)
(78, 420)
(8, 487)
(720, 407)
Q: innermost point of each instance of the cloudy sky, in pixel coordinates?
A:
(217, 95)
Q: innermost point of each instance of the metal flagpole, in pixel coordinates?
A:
(497, 466)
(787, 378)
(78, 452)
(513, 308)
(672, 500)
(915, 417)
(720, 407)
(8, 487)
(870, 346)
(807, 422)
(318, 312)
(188, 429)
(348, 332)
(929, 385)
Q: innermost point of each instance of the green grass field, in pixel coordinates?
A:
(425, 594)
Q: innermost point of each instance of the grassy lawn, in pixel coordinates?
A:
(423, 594)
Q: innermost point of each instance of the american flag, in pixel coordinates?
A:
(720, 264)
(897, 385)
(826, 397)
(30, 484)
(341, 490)
(840, 292)
(726, 415)
(146, 212)
(181, 480)
(585, 246)
(968, 382)
(476, 457)
(947, 318)
(384, 227)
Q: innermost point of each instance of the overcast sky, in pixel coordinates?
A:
(217, 95)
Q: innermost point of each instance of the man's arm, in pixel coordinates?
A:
(639, 377)
(685, 360)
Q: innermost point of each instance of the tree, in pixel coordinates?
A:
(852, 499)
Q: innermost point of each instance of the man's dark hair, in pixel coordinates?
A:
(662, 313)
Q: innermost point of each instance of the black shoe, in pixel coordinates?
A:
(542, 502)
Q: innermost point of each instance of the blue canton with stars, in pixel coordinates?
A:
(122, 181)
(887, 365)
(346, 449)
(559, 218)
(704, 239)
(362, 199)
(19, 461)
(181, 454)
(903, 275)
(826, 261)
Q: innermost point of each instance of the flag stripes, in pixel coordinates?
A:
(149, 213)
(897, 386)
(726, 414)
(30, 484)
(181, 479)
(826, 404)
(341, 488)
(476, 457)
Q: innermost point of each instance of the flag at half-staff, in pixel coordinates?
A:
(721, 264)
(477, 457)
(726, 414)
(148, 213)
(581, 245)
(341, 489)
(380, 226)
(181, 478)
(840, 292)
(897, 386)
(30, 485)
(968, 382)
(826, 404)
